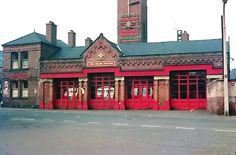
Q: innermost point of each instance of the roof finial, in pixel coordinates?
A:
(34, 30)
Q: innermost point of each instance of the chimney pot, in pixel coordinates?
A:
(88, 42)
(51, 32)
(185, 36)
(71, 38)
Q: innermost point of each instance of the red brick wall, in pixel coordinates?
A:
(31, 75)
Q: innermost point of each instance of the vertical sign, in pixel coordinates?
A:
(130, 29)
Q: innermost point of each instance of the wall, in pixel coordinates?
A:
(31, 75)
(215, 97)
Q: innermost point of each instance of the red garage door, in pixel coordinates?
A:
(102, 91)
(188, 90)
(139, 93)
(66, 93)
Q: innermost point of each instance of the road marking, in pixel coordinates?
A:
(229, 131)
(150, 126)
(22, 119)
(185, 128)
(119, 124)
(49, 120)
(69, 121)
(94, 122)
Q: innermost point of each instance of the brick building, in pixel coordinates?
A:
(1, 61)
(42, 71)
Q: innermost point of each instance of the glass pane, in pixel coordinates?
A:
(192, 88)
(192, 95)
(183, 88)
(112, 92)
(150, 91)
(136, 92)
(129, 95)
(183, 95)
(25, 93)
(14, 93)
(14, 55)
(15, 64)
(174, 95)
(144, 91)
(201, 95)
(201, 87)
(105, 93)
(14, 84)
(24, 63)
(99, 92)
(24, 84)
(24, 55)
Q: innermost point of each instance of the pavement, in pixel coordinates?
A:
(49, 132)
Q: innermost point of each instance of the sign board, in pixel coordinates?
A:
(129, 28)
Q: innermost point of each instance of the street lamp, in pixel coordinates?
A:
(225, 76)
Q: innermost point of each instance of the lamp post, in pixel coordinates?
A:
(225, 77)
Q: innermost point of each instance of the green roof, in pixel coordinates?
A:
(148, 49)
(172, 47)
(32, 38)
(67, 53)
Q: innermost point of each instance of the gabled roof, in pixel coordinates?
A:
(77, 52)
(32, 38)
(172, 47)
(101, 36)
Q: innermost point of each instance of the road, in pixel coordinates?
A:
(42, 132)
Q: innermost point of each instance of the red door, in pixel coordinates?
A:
(102, 92)
(66, 95)
(188, 90)
(139, 93)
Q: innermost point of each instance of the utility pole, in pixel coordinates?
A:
(225, 59)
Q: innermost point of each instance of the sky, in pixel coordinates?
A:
(89, 18)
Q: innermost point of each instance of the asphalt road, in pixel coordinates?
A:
(40, 132)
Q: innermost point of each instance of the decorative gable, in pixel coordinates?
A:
(101, 54)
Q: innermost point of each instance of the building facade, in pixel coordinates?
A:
(105, 75)
(42, 71)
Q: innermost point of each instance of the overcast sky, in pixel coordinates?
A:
(89, 18)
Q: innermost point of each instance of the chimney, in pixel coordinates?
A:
(72, 38)
(185, 36)
(88, 42)
(51, 32)
(182, 36)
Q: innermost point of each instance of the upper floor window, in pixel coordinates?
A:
(14, 60)
(24, 60)
(19, 60)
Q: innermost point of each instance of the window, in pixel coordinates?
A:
(188, 85)
(14, 89)
(17, 91)
(16, 63)
(24, 60)
(24, 88)
(14, 60)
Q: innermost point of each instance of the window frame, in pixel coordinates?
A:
(18, 87)
(15, 60)
(15, 88)
(24, 56)
(24, 86)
